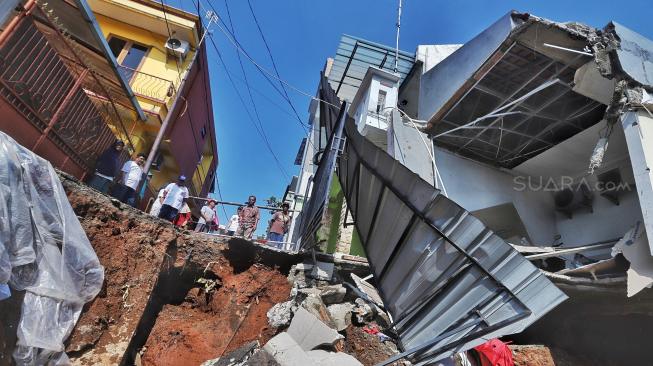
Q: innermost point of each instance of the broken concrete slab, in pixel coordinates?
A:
(315, 306)
(286, 351)
(322, 271)
(341, 315)
(325, 358)
(333, 294)
(280, 314)
(369, 290)
(309, 332)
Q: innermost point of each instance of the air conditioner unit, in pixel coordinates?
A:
(176, 47)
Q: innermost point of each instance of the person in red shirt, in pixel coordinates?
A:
(279, 225)
(248, 219)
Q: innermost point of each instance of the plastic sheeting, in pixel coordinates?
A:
(44, 251)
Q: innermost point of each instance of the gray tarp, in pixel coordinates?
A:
(44, 251)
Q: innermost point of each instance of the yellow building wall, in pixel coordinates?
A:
(156, 60)
(157, 63)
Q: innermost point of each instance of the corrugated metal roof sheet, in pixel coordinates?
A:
(448, 281)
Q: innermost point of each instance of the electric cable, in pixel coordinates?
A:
(242, 100)
(251, 97)
(274, 64)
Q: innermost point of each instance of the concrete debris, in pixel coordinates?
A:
(262, 358)
(333, 294)
(280, 314)
(299, 276)
(369, 290)
(286, 351)
(363, 312)
(310, 332)
(323, 271)
(324, 358)
(315, 306)
(341, 315)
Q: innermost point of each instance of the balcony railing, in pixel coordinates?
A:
(148, 85)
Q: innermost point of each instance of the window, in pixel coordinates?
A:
(128, 54)
(380, 103)
(116, 45)
(203, 131)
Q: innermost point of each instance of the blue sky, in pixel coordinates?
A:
(303, 33)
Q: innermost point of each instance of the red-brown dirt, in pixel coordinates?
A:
(366, 348)
(532, 356)
(150, 268)
(205, 326)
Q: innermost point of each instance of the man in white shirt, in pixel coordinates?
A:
(207, 215)
(175, 194)
(232, 226)
(131, 174)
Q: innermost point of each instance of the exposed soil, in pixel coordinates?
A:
(151, 290)
(532, 356)
(132, 249)
(205, 325)
(367, 348)
(595, 328)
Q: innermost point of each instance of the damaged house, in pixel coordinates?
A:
(540, 131)
(532, 134)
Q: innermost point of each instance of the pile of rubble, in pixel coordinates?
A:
(323, 323)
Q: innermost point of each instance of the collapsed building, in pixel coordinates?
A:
(476, 178)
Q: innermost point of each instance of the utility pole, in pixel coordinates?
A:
(397, 47)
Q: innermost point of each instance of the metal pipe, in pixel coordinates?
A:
(599, 245)
(397, 46)
(4, 36)
(166, 121)
(236, 203)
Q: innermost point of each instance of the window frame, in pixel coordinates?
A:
(125, 49)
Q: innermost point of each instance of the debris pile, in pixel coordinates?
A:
(323, 323)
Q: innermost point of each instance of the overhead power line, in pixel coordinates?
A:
(242, 101)
(251, 97)
(274, 64)
(308, 129)
(267, 73)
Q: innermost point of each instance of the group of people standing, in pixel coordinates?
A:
(170, 203)
(246, 219)
(123, 181)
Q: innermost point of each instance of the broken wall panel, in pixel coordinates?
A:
(513, 96)
(445, 278)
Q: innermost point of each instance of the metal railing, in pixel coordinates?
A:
(148, 85)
